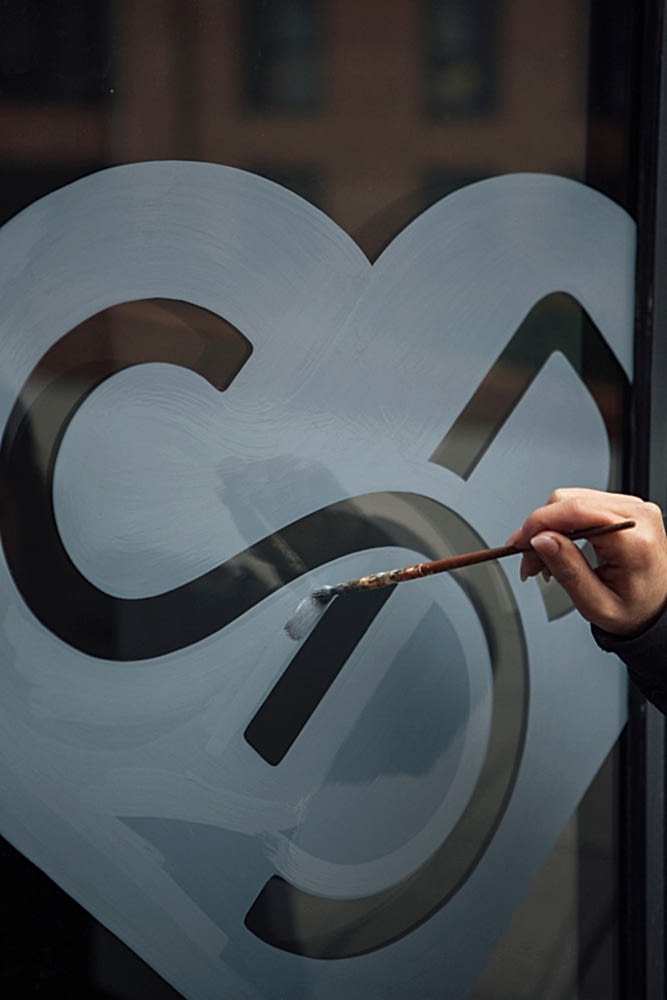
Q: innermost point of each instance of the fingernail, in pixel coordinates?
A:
(545, 545)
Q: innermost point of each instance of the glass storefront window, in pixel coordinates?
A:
(332, 284)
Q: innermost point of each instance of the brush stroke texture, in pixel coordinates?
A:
(356, 374)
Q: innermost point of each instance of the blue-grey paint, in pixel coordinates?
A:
(131, 784)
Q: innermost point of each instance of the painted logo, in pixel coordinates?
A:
(211, 404)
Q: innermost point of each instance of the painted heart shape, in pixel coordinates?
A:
(228, 806)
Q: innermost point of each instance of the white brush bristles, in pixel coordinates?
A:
(308, 612)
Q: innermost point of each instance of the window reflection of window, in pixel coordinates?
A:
(282, 54)
(610, 73)
(55, 51)
(461, 47)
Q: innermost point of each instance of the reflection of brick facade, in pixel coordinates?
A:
(371, 155)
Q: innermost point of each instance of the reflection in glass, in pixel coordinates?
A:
(55, 51)
(462, 50)
(283, 54)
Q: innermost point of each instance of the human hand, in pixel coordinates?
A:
(627, 590)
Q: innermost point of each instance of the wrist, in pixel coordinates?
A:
(634, 630)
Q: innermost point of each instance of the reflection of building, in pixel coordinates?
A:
(371, 110)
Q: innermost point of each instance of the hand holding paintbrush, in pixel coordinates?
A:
(312, 607)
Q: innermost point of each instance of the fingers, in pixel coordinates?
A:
(572, 510)
(629, 585)
(575, 509)
(569, 567)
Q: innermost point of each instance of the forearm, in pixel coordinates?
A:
(645, 656)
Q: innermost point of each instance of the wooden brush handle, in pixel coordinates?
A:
(392, 576)
(486, 555)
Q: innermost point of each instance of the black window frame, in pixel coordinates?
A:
(645, 741)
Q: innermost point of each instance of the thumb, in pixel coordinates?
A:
(570, 568)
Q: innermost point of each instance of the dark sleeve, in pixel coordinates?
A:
(645, 656)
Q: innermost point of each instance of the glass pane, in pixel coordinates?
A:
(463, 45)
(292, 292)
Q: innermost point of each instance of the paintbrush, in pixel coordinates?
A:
(311, 608)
